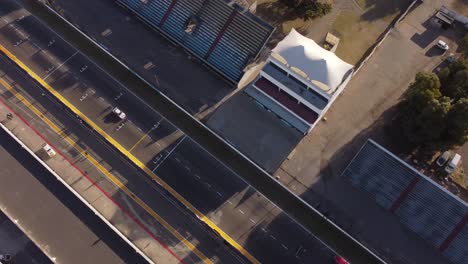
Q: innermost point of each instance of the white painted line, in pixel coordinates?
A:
(60, 65)
(263, 229)
(197, 176)
(242, 212)
(177, 159)
(285, 247)
(273, 237)
(170, 152)
(219, 194)
(253, 221)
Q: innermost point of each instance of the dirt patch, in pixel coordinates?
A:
(460, 6)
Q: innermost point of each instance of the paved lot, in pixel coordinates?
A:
(255, 131)
(14, 242)
(253, 221)
(52, 216)
(192, 86)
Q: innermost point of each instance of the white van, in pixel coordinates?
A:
(453, 163)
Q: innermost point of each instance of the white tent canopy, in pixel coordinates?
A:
(319, 64)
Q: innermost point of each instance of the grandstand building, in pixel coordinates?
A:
(221, 34)
(300, 81)
(421, 205)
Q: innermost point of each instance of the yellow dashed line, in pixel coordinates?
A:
(103, 170)
(130, 156)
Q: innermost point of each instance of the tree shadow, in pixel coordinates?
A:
(378, 9)
(276, 14)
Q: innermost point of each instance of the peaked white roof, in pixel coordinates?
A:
(316, 62)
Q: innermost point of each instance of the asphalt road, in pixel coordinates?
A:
(246, 215)
(14, 242)
(251, 173)
(54, 218)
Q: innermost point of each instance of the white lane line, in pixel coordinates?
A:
(187, 167)
(170, 152)
(229, 202)
(197, 176)
(177, 159)
(253, 221)
(242, 212)
(263, 229)
(60, 65)
(272, 236)
(285, 247)
(219, 194)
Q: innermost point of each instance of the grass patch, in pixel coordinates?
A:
(362, 3)
(460, 178)
(356, 35)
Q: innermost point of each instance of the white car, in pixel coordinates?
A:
(119, 113)
(442, 45)
(443, 159)
(453, 163)
(49, 150)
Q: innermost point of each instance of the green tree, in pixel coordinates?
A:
(457, 121)
(447, 73)
(464, 45)
(457, 86)
(425, 87)
(424, 110)
(308, 9)
(429, 124)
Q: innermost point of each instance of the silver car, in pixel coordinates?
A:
(443, 159)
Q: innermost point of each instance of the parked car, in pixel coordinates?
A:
(443, 159)
(5, 258)
(341, 260)
(442, 45)
(451, 58)
(453, 163)
(49, 150)
(119, 113)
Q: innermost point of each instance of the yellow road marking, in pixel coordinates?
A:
(130, 156)
(116, 181)
(140, 140)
